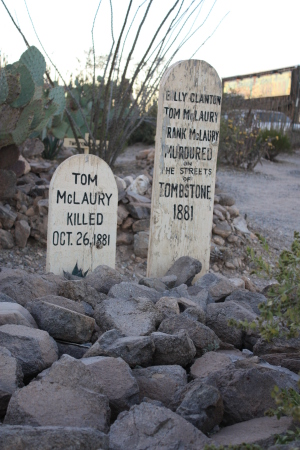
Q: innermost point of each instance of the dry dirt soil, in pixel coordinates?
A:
(269, 196)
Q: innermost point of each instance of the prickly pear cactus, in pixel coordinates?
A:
(25, 106)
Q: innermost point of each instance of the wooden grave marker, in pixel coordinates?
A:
(186, 148)
(82, 220)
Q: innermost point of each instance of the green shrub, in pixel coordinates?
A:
(280, 142)
(240, 146)
(52, 147)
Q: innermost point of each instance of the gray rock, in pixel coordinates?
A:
(80, 291)
(62, 323)
(175, 349)
(77, 385)
(139, 210)
(77, 351)
(6, 299)
(11, 378)
(168, 306)
(141, 225)
(168, 280)
(133, 317)
(208, 280)
(134, 350)
(203, 337)
(128, 289)
(196, 314)
(6, 239)
(12, 313)
(246, 392)
(147, 426)
(251, 298)
(141, 243)
(61, 301)
(218, 315)
(199, 295)
(240, 225)
(178, 291)
(185, 269)
(209, 363)
(8, 181)
(23, 287)
(260, 431)
(220, 290)
(34, 349)
(222, 228)
(201, 405)
(116, 381)
(225, 199)
(280, 352)
(7, 217)
(161, 383)
(103, 278)
(22, 233)
(49, 438)
(153, 283)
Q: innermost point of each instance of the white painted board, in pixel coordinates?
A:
(82, 220)
(186, 148)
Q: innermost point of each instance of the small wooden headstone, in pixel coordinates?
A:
(82, 220)
(186, 148)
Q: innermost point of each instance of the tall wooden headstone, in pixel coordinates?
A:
(82, 220)
(186, 148)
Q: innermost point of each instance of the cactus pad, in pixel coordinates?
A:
(22, 130)
(3, 86)
(35, 63)
(8, 118)
(58, 96)
(26, 81)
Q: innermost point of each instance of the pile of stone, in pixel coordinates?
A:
(102, 362)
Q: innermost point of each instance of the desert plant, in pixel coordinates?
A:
(25, 106)
(122, 93)
(52, 147)
(240, 145)
(280, 142)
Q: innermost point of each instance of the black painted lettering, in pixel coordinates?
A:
(186, 114)
(69, 199)
(69, 218)
(169, 132)
(85, 199)
(208, 192)
(76, 174)
(92, 219)
(108, 198)
(174, 190)
(74, 199)
(99, 219)
(101, 197)
(69, 233)
(83, 179)
(61, 196)
(167, 189)
(62, 240)
(55, 238)
(92, 180)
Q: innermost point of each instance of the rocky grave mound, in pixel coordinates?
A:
(24, 217)
(104, 362)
